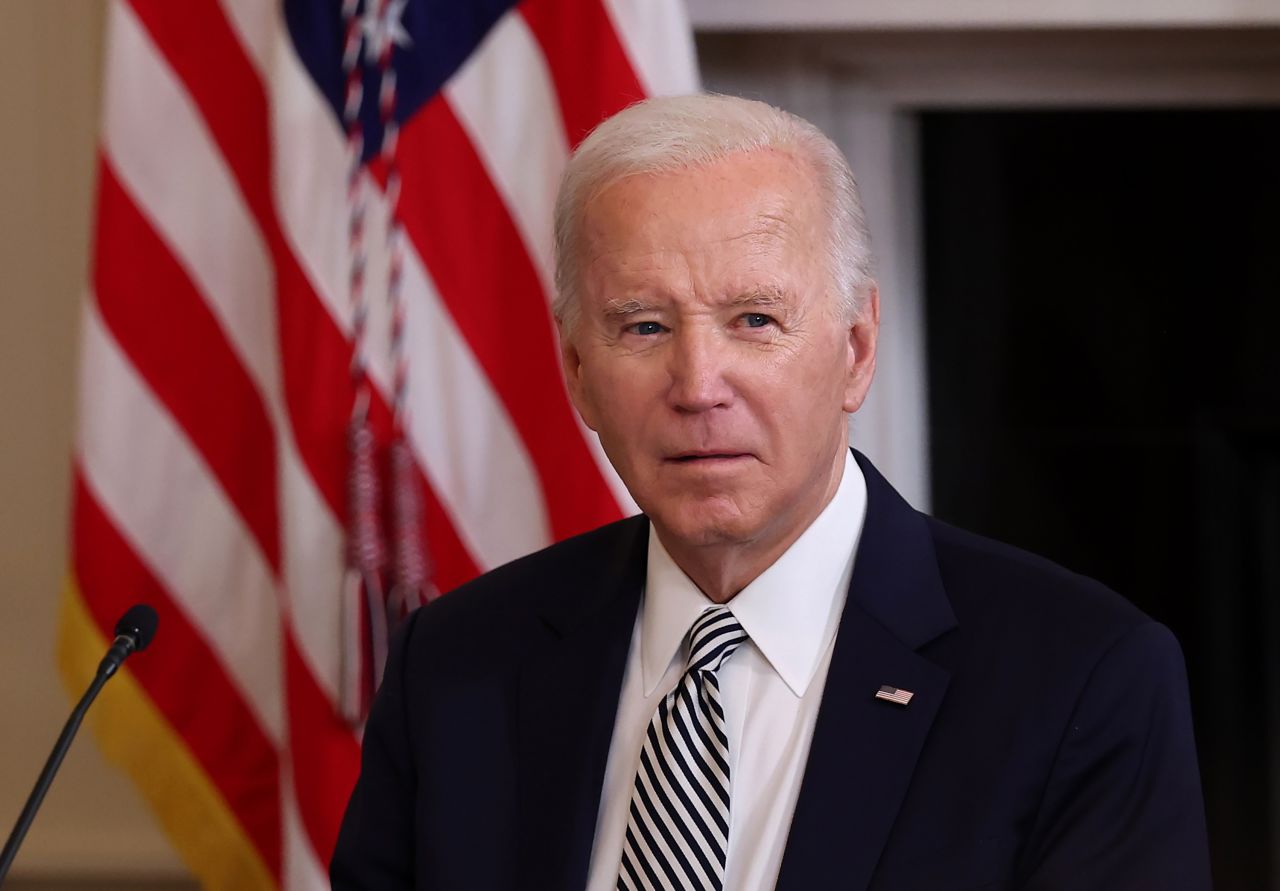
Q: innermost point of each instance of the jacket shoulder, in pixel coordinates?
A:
(556, 578)
(997, 585)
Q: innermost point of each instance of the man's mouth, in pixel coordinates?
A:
(707, 456)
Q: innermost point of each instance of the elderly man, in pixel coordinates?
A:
(780, 675)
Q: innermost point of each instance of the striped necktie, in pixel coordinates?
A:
(678, 824)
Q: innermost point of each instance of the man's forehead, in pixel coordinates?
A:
(771, 182)
(748, 225)
(645, 236)
(681, 211)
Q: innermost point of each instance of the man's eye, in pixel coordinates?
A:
(645, 328)
(756, 320)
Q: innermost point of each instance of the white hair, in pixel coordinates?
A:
(674, 133)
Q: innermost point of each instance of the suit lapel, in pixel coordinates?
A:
(864, 750)
(568, 699)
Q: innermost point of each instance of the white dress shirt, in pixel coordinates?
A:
(771, 687)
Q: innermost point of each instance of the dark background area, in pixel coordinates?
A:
(1103, 299)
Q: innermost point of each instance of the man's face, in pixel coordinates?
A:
(710, 354)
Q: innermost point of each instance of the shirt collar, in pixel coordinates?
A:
(790, 611)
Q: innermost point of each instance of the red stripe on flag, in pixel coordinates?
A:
(164, 326)
(326, 757)
(589, 66)
(487, 281)
(201, 47)
(198, 43)
(182, 676)
(451, 564)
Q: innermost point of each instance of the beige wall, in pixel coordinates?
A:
(92, 823)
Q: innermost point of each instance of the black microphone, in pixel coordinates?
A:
(133, 633)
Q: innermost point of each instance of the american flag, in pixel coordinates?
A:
(894, 695)
(216, 389)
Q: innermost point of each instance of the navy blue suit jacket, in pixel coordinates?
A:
(1048, 744)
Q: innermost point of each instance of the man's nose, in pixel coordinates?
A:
(699, 363)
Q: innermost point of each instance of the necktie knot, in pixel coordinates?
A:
(714, 637)
(678, 823)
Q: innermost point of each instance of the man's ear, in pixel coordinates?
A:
(863, 334)
(571, 362)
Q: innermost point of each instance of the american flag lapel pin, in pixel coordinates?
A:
(894, 695)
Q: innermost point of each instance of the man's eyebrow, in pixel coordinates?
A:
(763, 297)
(629, 307)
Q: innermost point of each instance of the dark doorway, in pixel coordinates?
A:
(1103, 293)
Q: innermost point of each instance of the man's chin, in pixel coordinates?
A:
(703, 526)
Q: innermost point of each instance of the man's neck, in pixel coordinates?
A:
(722, 570)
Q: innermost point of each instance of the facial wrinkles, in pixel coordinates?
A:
(674, 274)
(640, 230)
(696, 253)
(753, 415)
(672, 279)
(677, 289)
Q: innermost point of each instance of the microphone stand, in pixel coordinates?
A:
(133, 633)
(46, 776)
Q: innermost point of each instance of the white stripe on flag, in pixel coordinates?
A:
(139, 465)
(303, 870)
(165, 157)
(504, 98)
(659, 42)
(462, 436)
(159, 146)
(505, 101)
